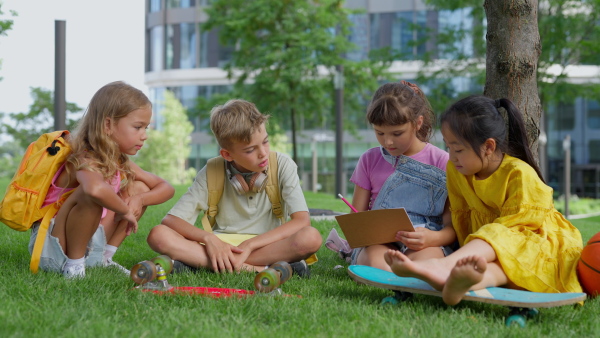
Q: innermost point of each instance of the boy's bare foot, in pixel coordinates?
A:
(431, 271)
(467, 272)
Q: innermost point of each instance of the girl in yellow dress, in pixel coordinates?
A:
(502, 211)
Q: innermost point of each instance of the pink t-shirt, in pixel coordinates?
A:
(373, 169)
(55, 192)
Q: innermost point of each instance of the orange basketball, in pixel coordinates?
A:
(588, 268)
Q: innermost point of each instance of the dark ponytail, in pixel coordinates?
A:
(518, 144)
(476, 118)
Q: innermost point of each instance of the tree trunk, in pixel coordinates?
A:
(513, 49)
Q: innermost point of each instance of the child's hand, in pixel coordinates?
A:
(135, 205)
(221, 254)
(417, 240)
(240, 258)
(132, 224)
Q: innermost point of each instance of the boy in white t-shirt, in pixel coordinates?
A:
(247, 235)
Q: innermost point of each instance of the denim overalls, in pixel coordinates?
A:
(419, 188)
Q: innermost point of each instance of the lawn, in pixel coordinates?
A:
(331, 304)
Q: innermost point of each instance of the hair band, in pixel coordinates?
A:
(413, 86)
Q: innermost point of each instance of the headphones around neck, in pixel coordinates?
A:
(258, 181)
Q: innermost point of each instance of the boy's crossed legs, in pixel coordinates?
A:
(296, 247)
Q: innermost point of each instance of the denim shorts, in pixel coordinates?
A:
(446, 250)
(53, 257)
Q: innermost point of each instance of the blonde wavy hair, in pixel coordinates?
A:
(93, 148)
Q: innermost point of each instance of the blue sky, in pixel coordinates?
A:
(104, 43)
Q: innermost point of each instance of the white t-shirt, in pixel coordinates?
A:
(243, 214)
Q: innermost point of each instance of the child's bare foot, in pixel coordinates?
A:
(467, 272)
(431, 271)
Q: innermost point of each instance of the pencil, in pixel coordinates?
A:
(346, 201)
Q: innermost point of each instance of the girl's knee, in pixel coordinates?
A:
(136, 188)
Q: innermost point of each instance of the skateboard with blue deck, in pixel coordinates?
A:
(522, 304)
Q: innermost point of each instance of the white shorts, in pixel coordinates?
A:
(53, 256)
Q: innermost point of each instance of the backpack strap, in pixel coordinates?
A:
(215, 182)
(272, 187)
(52, 209)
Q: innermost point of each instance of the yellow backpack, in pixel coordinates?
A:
(215, 180)
(22, 202)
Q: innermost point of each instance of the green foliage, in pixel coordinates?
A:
(578, 206)
(285, 57)
(27, 127)
(6, 24)
(11, 154)
(569, 32)
(166, 150)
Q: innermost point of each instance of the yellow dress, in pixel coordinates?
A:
(513, 211)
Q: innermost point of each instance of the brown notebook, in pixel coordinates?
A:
(374, 226)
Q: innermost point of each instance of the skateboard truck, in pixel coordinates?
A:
(152, 274)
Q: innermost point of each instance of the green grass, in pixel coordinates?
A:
(105, 304)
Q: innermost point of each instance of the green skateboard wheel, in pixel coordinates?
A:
(165, 261)
(143, 272)
(267, 280)
(284, 269)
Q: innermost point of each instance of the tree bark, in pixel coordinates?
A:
(513, 50)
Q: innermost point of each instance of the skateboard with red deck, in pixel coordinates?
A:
(151, 276)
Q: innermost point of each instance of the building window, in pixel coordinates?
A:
(593, 120)
(403, 32)
(156, 48)
(157, 97)
(212, 52)
(359, 35)
(453, 22)
(181, 46)
(155, 5)
(172, 53)
(594, 149)
(408, 28)
(561, 116)
(188, 96)
(188, 46)
(181, 3)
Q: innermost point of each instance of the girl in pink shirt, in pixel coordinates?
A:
(108, 192)
(408, 171)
